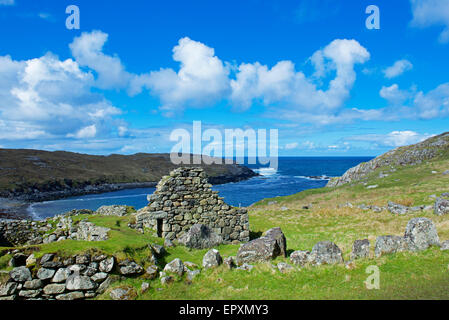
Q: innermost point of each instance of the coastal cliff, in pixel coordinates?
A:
(34, 175)
(432, 148)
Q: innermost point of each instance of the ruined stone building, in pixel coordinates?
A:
(185, 198)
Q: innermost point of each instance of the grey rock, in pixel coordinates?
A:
(29, 293)
(77, 282)
(104, 285)
(99, 277)
(158, 249)
(11, 298)
(144, 287)
(152, 272)
(390, 244)
(33, 284)
(54, 288)
(230, 262)
(8, 289)
(82, 259)
(122, 294)
(246, 267)
(420, 234)
(265, 248)
(168, 243)
(20, 274)
(77, 268)
(167, 280)
(114, 210)
(300, 258)
(61, 275)
(44, 273)
(200, 237)
(87, 231)
(360, 249)
(212, 259)
(284, 267)
(107, 264)
(441, 206)
(175, 266)
(326, 252)
(128, 267)
(396, 208)
(444, 245)
(192, 274)
(70, 296)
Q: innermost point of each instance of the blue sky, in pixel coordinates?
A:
(137, 70)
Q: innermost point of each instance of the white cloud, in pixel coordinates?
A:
(290, 146)
(428, 13)
(85, 133)
(202, 78)
(48, 97)
(393, 139)
(87, 51)
(283, 84)
(398, 68)
(393, 94)
(7, 2)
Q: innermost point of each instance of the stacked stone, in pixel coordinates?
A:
(53, 278)
(185, 198)
(18, 232)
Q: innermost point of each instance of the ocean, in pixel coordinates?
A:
(294, 174)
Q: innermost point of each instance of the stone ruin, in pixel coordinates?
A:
(185, 198)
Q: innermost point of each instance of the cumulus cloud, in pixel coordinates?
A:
(428, 13)
(398, 68)
(48, 97)
(87, 50)
(283, 84)
(201, 79)
(290, 146)
(393, 94)
(394, 138)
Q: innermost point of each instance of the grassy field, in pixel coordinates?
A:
(423, 275)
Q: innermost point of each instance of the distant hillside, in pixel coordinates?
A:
(432, 148)
(41, 175)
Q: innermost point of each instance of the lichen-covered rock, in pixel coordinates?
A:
(360, 249)
(326, 252)
(300, 257)
(192, 274)
(88, 231)
(44, 273)
(200, 236)
(151, 272)
(444, 245)
(128, 267)
(265, 248)
(20, 274)
(54, 288)
(212, 259)
(175, 266)
(396, 208)
(114, 210)
(77, 282)
(107, 264)
(33, 284)
(61, 275)
(389, 244)
(71, 296)
(123, 294)
(420, 234)
(8, 289)
(441, 206)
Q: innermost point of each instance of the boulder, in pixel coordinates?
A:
(61, 275)
(71, 296)
(389, 244)
(99, 277)
(76, 283)
(212, 259)
(54, 288)
(44, 273)
(396, 208)
(200, 236)
(151, 272)
(29, 294)
(300, 258)
(175, 266)
(47, 257)
(8, 289)
(420, 234)
(441, 206)
(284, 267)
(326, 252)
(444, 245)
(167, 280)
(123, 294)
(360, 249)
(20, 274)
(87, 231)
(158, 249)
(128, 267)
(264, 248)
(107, 264)
(245, 267)
(229, 262)
(192, 274)
(33, 284)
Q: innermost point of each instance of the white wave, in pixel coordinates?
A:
(266, 171)
(316, 178)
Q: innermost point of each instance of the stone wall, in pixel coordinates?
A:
(185, 198)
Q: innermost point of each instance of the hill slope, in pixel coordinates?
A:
(432, 148)
(40, 175)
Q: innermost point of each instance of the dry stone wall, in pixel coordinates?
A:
(185, 198)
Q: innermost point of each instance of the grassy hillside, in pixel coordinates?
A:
(422, 275)
(23, 171)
